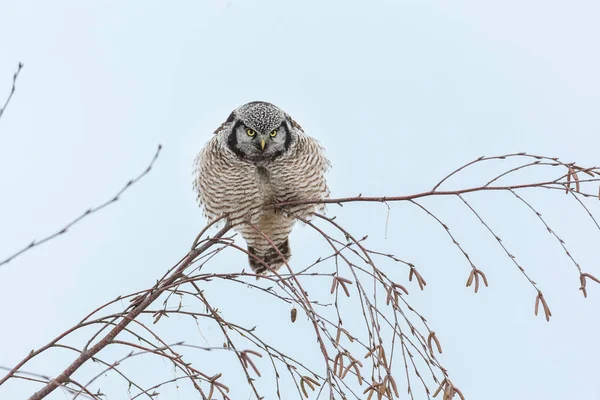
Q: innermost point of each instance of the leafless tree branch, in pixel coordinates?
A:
(87, 213)
(12, 90)
(355, 363)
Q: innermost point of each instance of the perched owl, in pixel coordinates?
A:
(258, 157)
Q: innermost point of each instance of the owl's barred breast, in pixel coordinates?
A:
(227, 185)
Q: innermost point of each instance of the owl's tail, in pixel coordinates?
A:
(271, 257)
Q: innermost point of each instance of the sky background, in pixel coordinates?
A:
(398, 92)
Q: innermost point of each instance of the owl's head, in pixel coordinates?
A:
(259, 131)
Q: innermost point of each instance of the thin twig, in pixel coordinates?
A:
(12, 91)
(87, 213)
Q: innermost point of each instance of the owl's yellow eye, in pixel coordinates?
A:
(274, 133)
(250, 132)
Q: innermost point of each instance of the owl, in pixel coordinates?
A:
(259, 157)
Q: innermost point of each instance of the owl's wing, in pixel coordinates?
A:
(224, 184)
(301, 175)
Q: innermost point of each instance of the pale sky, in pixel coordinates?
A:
(399, 93)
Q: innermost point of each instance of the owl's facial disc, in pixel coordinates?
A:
(253, 145)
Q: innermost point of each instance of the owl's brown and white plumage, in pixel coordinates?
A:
(260, 156)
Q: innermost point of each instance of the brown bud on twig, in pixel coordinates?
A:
(339, 281)
(371, 351)
(392, 293)
(396, 285)
(585, 274)
(354, 363)
(338, 364)
(378, 388)
(474, 275)
(339, 333)
(247, 361)
(213, 381)
(293, 314)
(449, 390)
(538, 299)
(310, 382)
(388, 382)
(433, 337)
(572, 173)
(211, 391)
(583, 282)
(442, 384)
(382, 358)
(420, 280)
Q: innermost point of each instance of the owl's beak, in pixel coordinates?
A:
(263, 142)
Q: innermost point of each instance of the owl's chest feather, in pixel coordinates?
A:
(266, 185)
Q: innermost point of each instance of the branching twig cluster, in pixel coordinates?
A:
(396, 349)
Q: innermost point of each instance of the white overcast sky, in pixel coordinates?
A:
(399, 93)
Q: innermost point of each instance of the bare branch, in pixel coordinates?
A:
(86, 214)
(141, 304)
(356, 281)
(12, 90)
